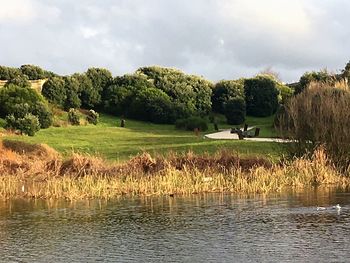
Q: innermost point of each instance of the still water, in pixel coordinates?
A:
(198, 228)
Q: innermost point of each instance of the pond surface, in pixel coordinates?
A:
(198, 228)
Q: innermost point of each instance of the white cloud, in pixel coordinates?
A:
(17, 11)
(216, 39)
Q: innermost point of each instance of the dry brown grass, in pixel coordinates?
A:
(320, 115)
(39, 172)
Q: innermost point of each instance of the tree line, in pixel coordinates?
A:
(156, 94)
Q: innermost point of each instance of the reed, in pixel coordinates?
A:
(39, 172)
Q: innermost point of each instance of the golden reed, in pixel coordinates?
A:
(37, 171)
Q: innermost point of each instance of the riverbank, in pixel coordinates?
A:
(40, 172)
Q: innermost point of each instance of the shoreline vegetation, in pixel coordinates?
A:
(38, 171)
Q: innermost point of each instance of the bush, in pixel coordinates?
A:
(29, 124)
(235, 111)
(92, 117)
(88, 95)
(43, 113)
(191, 123)
(21, 101)
(73, 117)
(319, 116)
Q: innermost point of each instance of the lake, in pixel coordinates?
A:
(197, 228)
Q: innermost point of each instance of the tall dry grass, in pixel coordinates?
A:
(320, 115)
(39, 172)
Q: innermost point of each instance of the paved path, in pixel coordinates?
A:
(227, 135)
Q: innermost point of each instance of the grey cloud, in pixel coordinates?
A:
(199, 36)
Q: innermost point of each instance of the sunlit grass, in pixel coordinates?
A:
(109, 140)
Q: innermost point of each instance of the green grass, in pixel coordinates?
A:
(110, 141)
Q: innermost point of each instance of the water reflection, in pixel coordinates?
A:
(211, 227)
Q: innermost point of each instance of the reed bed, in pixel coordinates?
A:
(37, 171)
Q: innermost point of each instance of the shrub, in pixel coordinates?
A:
(73, 117)
(43, 113)
(92, 117)
(29, 124)
(235, 111)
(191, 123)
(319, 116)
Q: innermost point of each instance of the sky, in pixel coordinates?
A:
(217, 39)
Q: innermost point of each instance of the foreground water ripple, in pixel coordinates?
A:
(198, 228)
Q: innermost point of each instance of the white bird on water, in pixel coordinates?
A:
(338, 207)
(320, 208)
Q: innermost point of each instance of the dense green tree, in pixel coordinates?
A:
(261, 96)
(100, 79)
(88, 95)
(224, 91)
(71, 86)
(235, 110)
(121, 92)
(33, 72)
(7, 73)
(54, 90)
(19, 80)
(153, 105)
(190, 94)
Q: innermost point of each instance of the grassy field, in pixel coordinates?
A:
(110, 141)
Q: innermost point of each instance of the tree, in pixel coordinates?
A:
(33, 72)
(346, 71)
(88, 95)
(19, 80)
(7, 73)
(153, 105)
(261, 96)
(224, 91)
(190, 94)
(121, 92)
(235, 110)
(71, 86)
(100, 79)
(54, 90)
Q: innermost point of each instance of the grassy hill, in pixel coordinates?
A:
(110, 141)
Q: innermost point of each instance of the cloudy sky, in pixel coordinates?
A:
(218, 39)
